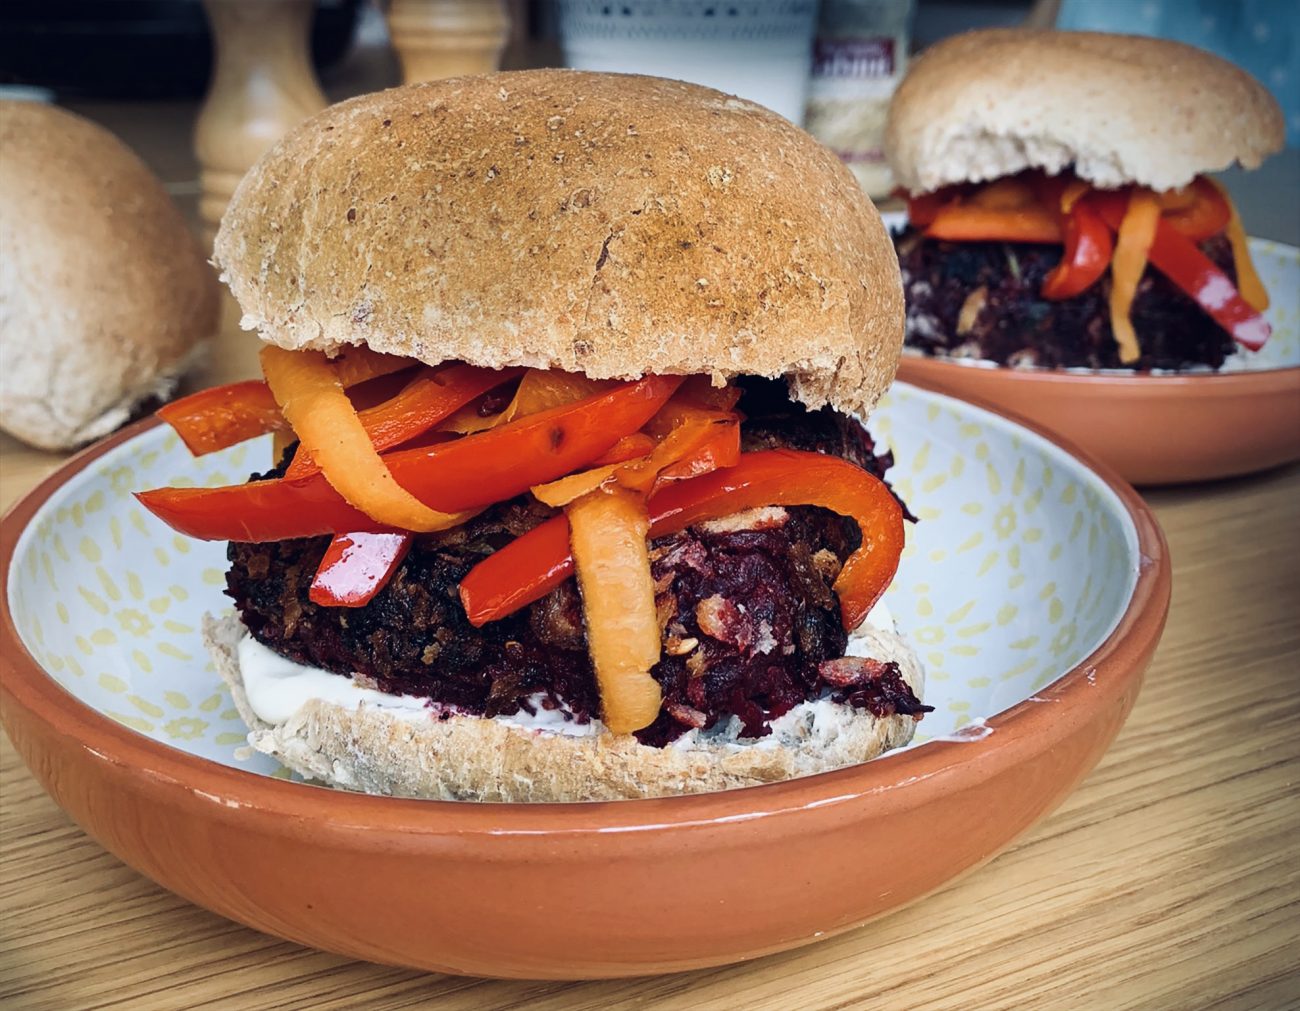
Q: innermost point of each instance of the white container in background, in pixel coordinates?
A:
(758, 49)
(858, 60)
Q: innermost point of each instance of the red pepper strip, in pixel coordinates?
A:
(543, 552)
(426, 400)
(524, 571)
(474, 472)
(356, 566)
(971, 223)
(1176, 256)
(1248, 283)
(1206, 213)
(531, 566)
(1088, 248)
(223, 416)
(922, 208)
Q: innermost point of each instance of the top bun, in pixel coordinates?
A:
(1118, 108)
(600, 223)
(103, 289)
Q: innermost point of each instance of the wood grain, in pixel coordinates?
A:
(1170, 879)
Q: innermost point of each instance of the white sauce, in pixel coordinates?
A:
(277, 688)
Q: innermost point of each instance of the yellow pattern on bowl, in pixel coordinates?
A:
(1020, 566)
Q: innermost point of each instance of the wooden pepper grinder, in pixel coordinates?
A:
(263, 85)
(443, 38)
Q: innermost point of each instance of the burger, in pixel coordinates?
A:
(1059, 211)
(571, 498)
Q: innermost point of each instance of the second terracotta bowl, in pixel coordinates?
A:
(1152, 429)
(1034, 587)
(1161, 428)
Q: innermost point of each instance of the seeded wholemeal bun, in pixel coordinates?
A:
(473, 758)
(104, 293)
(607, 224)
(1118, 108)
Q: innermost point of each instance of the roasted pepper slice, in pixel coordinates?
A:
(1088, 248)
(1137, 229)
(607, 531)
(1198, 210)
(1178, 258)
(697, 441)
(224, 416)
(461, 474)
(531, 566)
(328, 428)
(1248, 283)
(973, 223)
(429, 398)
(356, 566)
(539, 390)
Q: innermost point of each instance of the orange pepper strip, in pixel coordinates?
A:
(640, 475)
(1198, 210)
(1136, 233)
(683, 443)
(356, 365)
(971, 223)
(607, 535)
(627, 448)
(539, 390)
(311, 398)
(1072, 192)
(467, 473)
(722, 449)
(426, 400)
(1007, 194)
(574, 486)
(1248, 283)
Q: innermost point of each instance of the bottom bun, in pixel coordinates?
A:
(369, 749)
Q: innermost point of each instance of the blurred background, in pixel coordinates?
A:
(199, 88)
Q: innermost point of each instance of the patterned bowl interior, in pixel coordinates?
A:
(1022, 563)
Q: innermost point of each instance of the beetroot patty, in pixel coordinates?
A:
(984, 300)
(749, 614)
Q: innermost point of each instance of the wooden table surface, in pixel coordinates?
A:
(1170, 879)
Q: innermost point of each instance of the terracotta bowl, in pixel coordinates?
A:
(1162, 428)
(1035, 588)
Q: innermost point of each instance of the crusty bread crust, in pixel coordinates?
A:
(470, 758)
(104, 293)
(608, 224)
(1119, 108)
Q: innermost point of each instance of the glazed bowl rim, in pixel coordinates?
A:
(1246, 382)
(895, 782)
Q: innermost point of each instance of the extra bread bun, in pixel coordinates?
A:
(471, 758)
(607, 224)
(1118, 108)
(103, 290)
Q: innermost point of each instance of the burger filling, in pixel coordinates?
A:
(1046, 271)
(701, 563)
